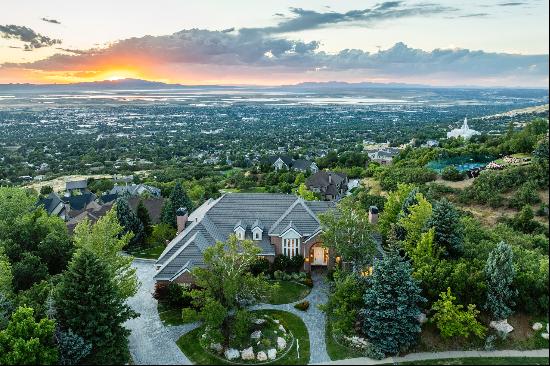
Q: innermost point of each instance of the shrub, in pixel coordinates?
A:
(303, 306)
(451, 173)
(281, 263)
(189, 315)
(173, 294)
(161, 234)
(241, 325)
(452, 320)
(278, 275)
(296, 263)
(262, 265)
(308, 282)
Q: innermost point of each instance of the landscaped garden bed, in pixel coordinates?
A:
(286, 292)
(279, 336)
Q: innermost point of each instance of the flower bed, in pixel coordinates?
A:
(269, 341)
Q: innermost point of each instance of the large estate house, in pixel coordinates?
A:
(278, 223)
(330, 185)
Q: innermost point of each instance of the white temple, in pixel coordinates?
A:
(463, 131)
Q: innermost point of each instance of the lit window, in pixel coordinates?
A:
(291, 247)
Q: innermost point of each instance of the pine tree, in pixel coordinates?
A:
(143, 216)
(130, 222)
(89, 304)
(178, 198)
(392, 305)
(448, 228)
(410, 201)
(499, 275)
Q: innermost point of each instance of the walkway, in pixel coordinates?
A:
(152, 343)
(423, 356)
(313, 318)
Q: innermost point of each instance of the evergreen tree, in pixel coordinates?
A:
(72, 347)
(410, 200)
(499, 275)
(89, 303)
(143, 216)
(178, 198)
(130, 222)
(27, 342)
(6, 275)
(448, 228)
(392, 304)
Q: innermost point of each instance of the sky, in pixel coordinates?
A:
(268, 42)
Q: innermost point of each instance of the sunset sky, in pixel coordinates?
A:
(484, 43)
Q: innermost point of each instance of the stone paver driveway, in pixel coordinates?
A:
(152, 343)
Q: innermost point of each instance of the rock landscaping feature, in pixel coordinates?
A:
(537, 326)
(501, 326)
(268, 338)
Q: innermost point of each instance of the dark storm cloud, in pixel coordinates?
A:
(31, 39)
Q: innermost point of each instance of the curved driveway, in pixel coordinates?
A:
(151, 342)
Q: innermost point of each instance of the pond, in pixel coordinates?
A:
(462, 163)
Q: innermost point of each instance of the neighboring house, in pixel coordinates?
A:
(93, 211)
(134, 190)
(331, 185)
(277, 223)
(79, 202)
(54, 206)
(76, 186)
(153, 206)
(383, 156)
(286, 162)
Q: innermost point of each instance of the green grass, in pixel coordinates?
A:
(148, 253)
(335, 350)
(171, 317)
(483, 361)
(288, 292)
(189, 343)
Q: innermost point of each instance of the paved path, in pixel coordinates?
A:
(314, 318)
(422, 356)
(152, 343)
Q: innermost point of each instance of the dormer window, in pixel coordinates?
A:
(257, 230)
(257, 233)
(239, 233)
(239, 230)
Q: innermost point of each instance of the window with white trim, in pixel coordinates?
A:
(257, 233)
(291, 247)
(239, 233)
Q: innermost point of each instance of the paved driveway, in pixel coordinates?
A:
(152, 343)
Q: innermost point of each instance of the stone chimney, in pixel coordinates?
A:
(181, 218)
(373, 215)
(329, 178)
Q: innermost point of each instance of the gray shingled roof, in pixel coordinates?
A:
(50, 202)
(216, 220)
(76, 184)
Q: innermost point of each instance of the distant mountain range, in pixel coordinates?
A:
(138, 84)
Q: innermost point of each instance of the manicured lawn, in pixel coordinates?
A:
(288, 292)
(335, 350)
(189, 343)
(483, 361)
(171, 317)
(148, 253)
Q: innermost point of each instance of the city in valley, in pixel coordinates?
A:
(274, 183)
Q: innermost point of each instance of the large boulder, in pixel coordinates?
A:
(272, 353)
(256, 335)
(248, 354)
(544, 335)
(501, 326)
(231, 354)
(261, 356)
(282, 329)
(281, 343)
(537, 326)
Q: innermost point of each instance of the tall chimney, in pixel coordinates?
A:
(373, 215)
(329, 178)
(181, 218)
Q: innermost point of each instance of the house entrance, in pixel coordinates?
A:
(320, 256)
